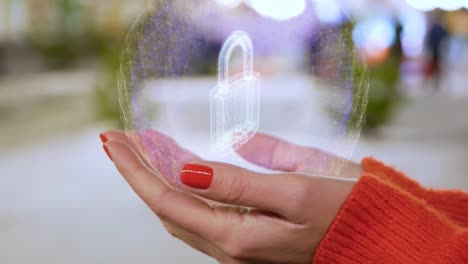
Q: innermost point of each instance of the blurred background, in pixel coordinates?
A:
(61, 200)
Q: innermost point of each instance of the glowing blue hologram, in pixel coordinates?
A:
(234, 102)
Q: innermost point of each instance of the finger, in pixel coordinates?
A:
(131, 139)
(276, 154)
(113, 135)
(150, 138)
(249, 237)
(168, 144)
(189, 213)
(260, 235)
(119, 136)
(266, 237)
(273, 153)
(237, 186)
(165, 154)
(191, 239)
(162, 152)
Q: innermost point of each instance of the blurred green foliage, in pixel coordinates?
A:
(383, 93)
(106, 95)
(375, 87)
(75, 38)
(384, 97)
(62, 47)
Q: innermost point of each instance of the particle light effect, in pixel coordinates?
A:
(313, 89)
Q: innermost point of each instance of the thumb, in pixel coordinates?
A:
(280, 193)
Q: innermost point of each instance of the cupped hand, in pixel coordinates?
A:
(255, 217)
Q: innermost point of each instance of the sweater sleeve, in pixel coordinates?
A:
(385, 221)
(452, 203)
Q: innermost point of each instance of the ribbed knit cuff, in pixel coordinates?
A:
(380, 223)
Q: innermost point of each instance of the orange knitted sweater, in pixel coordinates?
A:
(389, 218)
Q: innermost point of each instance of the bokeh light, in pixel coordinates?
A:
(279, 10)
(374, 34)
(428, 5)
(328, 11)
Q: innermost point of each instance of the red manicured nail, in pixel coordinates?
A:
(197, 176)
(103, 138)
(107, 151)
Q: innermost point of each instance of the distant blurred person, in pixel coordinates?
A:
(372, 213)
(435, 42)
(2, 59)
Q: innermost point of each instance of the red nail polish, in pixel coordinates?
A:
(107, 151)
(103, 138)
(197, 176)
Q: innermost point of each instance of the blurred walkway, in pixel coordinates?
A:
(39, 106)
(428, 140)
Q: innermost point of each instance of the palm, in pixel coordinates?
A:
(291, 211)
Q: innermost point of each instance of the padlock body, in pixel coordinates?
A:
(234, 111)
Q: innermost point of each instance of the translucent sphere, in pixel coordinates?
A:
(213, 79)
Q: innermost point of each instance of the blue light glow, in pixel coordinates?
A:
(375, 34)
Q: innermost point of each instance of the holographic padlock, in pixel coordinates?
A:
(234, 101)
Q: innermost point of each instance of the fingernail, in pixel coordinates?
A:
(107, 151)
(103, 138)
(197, 176)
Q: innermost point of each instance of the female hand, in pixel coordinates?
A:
(289, 212)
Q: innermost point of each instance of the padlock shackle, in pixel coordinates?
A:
(236, 39)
